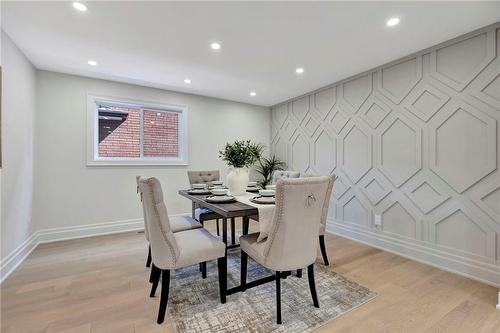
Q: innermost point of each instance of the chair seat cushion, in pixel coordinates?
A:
(205, 214)
(197, 245)
(253, 248)
(182, 223)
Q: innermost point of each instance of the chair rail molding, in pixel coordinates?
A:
(416, 142)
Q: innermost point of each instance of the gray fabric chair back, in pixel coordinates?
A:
(146, 232)
(203, 177)
(164, 249)
(293, 238)
(284, 174)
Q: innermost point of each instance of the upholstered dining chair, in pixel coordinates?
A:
(171, 250)
(203, 214)
(293, 237)
(284, 174)
(177, 222)
(322, 228)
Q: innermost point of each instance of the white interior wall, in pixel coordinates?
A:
(70, 194)
(18, 112)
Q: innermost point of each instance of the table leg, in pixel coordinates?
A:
(233, 234)
(224, 230)
(246, 222)
(223, 264)
(193, 208)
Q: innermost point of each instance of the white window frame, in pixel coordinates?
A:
(93, 158)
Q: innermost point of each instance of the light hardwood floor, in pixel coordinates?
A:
(100, 284)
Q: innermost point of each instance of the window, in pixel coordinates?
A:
(134, 133)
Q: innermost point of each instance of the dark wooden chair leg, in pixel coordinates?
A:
(155, 276)
(312, 284)
(151, 275)
(165, 285)
(204, 269)
(222, 265)
(243, 270)
(323, 249)
(217, 223)
(233, 234)
(299, 273)
(148, 261)
(278, 298)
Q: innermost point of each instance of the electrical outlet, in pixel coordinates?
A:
(378, 220)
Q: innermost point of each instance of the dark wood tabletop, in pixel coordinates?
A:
(232, 209)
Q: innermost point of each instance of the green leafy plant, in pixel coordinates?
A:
(241, 154)
(266, 168)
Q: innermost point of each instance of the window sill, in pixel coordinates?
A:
(146, 163)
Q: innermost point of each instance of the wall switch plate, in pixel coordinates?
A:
(378, 220)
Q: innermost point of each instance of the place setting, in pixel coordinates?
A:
(252, 187)
(266, 196)
(199, 189)
(220, 195)
(216, 184)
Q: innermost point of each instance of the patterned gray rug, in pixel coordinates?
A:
(194, 304)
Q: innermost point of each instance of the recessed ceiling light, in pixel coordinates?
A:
(79, 6)
(392, 21)
(215, 46)
(299, 70)
(253, 93)
(92, 62)
(188, 81)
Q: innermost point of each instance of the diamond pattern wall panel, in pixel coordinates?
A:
(374, 112)
(425, 101)
(416, 141)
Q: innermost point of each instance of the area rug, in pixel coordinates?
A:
(194, 303)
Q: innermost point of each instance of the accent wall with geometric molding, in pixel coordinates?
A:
(417, 142)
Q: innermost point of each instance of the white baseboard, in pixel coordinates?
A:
(16, 257)
(480, 271)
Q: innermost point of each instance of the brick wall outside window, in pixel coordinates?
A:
(121, 138)
(161, 134)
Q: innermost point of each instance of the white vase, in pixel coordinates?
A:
(237, 181)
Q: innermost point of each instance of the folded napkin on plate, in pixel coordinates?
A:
(266, 213)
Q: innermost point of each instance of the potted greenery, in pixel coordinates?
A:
(240, 155)
(266, 168)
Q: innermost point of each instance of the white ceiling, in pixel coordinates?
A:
(159, 44)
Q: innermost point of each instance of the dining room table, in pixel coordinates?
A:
(230, 210)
